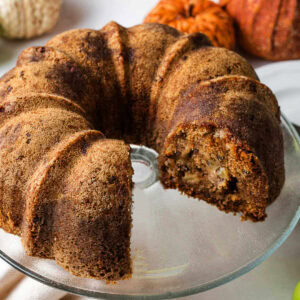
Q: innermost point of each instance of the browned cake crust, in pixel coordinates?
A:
(65, 187)
(80, 214)
(225, 145)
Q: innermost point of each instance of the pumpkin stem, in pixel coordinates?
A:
(191, 7)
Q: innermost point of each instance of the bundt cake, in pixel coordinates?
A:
(70, 109)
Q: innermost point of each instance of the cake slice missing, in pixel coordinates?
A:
(225, 146)
(204, 163)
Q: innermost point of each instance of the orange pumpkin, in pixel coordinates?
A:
(196, 16)
(267, 28)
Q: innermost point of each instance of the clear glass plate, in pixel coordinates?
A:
(180, 246)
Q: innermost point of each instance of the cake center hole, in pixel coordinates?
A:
(144, 163)
(142, 170)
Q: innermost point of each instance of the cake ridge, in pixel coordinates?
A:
(216, 62)
(254, 84)
(174, 52)
(13, 104)
(37, 53)
(117, 34)
(117, 39)
(46, 219)
(56, 73)
(92, 50)
(19, 138)
(41, 174)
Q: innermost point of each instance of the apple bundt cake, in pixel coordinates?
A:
(69, 110)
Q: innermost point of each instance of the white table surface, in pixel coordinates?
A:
(275, 278)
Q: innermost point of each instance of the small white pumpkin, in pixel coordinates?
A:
(27, 18)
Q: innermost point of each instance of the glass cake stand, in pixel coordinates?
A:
(180, 246)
